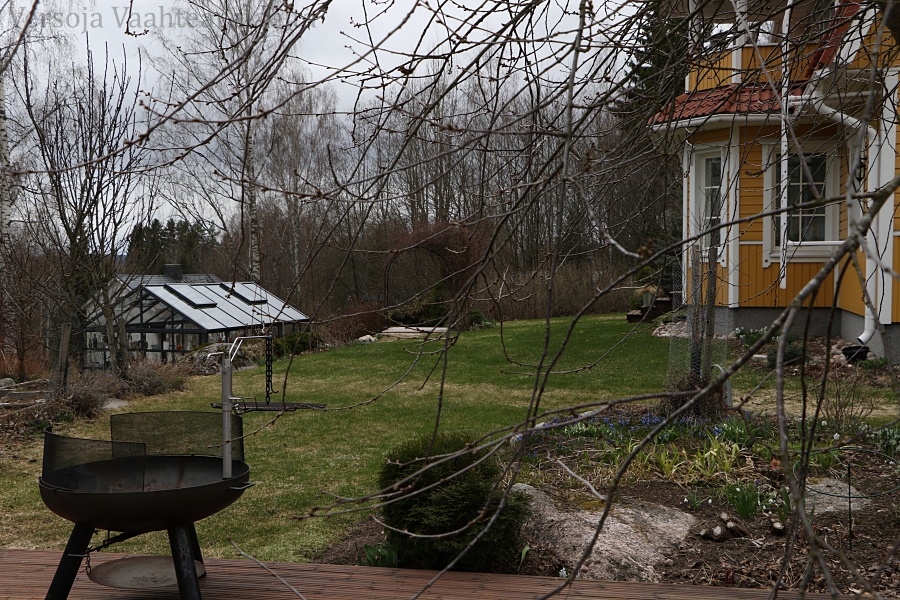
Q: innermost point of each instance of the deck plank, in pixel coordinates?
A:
(26, 574)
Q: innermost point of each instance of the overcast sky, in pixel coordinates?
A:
(330, 43)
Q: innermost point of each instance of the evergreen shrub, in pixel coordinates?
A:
(792, 355)
(450, 506)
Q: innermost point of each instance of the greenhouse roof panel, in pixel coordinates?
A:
(217, 307)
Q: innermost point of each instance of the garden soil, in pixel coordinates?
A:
(753, 561)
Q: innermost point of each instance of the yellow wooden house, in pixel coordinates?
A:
(789, 103)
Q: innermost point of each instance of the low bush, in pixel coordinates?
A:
(792, 355)
(748, 337)
(150, 378)
(452, 512)
(420, 312)
(746, 431)
(846, 407)
(88, 391)
(293, 343)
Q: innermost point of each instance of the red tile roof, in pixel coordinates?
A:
(731, 99)
(758, 98)
(832, 39)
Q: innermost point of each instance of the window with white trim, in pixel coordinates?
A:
(811, 232)
(709, 188)
(804, 185)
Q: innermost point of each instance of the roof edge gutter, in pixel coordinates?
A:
(716, 119)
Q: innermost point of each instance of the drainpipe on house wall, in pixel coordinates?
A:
(816, 102)
(783, 163)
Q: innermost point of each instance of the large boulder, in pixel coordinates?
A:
(636, 536)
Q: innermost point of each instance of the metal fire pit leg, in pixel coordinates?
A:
(70, 562)
(195, 545)
(185, 570)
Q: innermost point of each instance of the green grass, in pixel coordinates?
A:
(306, 457)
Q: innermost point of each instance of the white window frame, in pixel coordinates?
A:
(800, 251)
(699, 217)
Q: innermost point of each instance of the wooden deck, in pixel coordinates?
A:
(27, 574)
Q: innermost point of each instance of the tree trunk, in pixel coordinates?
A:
(5, 183)
(696, 296)
(710, 307)
(115, 338)
(249, 187)
(62, 367)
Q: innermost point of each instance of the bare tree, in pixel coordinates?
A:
(86, 187)
(221, 76)
(525, 145)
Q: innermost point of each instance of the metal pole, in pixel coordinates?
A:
(226, 415)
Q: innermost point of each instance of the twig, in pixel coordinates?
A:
(270, 571)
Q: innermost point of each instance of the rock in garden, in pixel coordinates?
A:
(830, 495)
(6, 382)
(636, 537)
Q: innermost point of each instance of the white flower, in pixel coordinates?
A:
(685, 499)
(824, 423)
(563, 572)
(709, 501)
(837, 436)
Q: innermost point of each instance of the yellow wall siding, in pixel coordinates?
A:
(716, 71)
(759, 286)
(897, 196)
(721, 285)
(752, 198)
(714, 136)
(771, 61)
(885, 52)
(850, 296)
(895, 298)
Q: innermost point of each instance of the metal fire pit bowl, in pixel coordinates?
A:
(176, 490)
(160, 471)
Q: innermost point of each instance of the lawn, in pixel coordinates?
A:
(377, 395)
(305, 457)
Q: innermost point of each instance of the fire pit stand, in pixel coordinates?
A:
(185, 551)
(161, 471)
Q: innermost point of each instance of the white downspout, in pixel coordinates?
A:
(873, 140)
(783, 163)
(688, 201)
